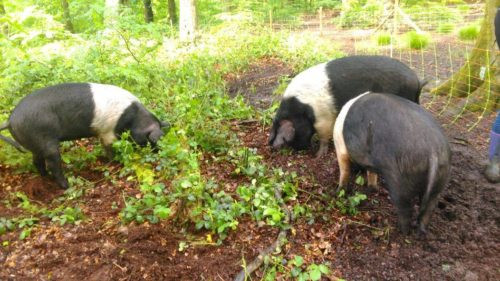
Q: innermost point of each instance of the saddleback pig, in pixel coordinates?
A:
(399, 140)
(315, 96)
(77, 110)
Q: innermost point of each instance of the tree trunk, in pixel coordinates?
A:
(111, 12)
(67, 16)
(2, 8)
(4, 26)
(187, 20)
(480, 73)
(172, 12)
(148, 11)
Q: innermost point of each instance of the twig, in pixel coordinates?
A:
(121, 268)
(343, 233)
(257, 262)
(245, 122)
(128, 46)
(363, 224)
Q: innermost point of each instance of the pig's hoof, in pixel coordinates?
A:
(63, 184)
(421, 233)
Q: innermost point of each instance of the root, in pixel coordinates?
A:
(280, 240)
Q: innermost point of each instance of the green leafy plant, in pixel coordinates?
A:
(348, 204)
(294, 269)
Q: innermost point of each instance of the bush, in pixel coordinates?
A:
(384, 39)
(446, 27)
(417, 40)
(468, 32)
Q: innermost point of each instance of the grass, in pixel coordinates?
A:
(383, 38)
(468, 32)
(416, 40)
(445, 27)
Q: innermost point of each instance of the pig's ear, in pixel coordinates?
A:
(286, 130)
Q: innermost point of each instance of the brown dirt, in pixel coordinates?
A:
(463, 242)
(258, 83)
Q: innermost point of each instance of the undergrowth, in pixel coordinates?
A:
(181, 83)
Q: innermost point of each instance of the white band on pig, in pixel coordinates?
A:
(110, 102)
(312, 87)
(338, 134)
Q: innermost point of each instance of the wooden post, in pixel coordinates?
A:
(394, 23)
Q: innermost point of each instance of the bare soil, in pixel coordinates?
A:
(462, 244)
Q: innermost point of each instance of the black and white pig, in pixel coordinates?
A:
(399, 140)
(78, 110)
(315, 96)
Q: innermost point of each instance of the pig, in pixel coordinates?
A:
(397, 139)
(314, 97)
(78, 110)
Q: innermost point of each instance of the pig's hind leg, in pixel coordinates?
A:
(39, 163)
(401, 200)
(53, 158)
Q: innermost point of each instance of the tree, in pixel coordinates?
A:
(172, 12)
(111, 11)
(480, 75)
(67, 17)
(4, 26)
(148, 11)
(187, 19)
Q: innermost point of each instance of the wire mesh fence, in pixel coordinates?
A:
(435, 40)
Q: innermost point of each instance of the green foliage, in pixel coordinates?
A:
(417, 40)
(347, 204)
(361, 15)
(431, 12)
(294, 269)
(181, 83)
(468, 32)
(383, 38)
(33, 213)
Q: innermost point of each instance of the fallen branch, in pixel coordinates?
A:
(245, 122)
(280, 240)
